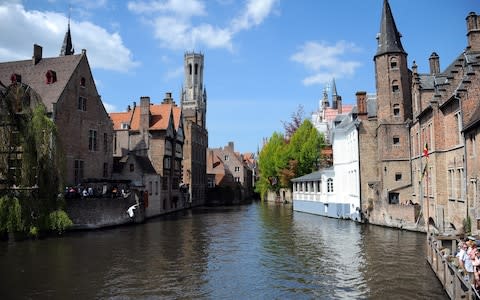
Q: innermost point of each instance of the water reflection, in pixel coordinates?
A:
(256, 251)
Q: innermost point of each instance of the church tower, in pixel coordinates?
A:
(394, 110)
(194, 95)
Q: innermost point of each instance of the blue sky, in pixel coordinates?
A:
(263, 58)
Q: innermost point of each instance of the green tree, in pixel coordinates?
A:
(30, 164)
(272, 159)
(304, 148)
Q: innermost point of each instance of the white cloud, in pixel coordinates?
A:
(179, 8)
(325, 61)
(175, 28)
(21, 29)
(109, 107)
(254, 14)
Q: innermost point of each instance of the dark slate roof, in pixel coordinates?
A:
(67, 47)
(389, 37)
(145, 164)
(317, 175)
(34, 75)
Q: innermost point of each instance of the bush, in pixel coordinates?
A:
(59, 221)
(10, 214)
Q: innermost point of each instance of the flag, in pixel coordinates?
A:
(425, 150)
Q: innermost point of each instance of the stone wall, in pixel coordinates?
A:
(91, 213)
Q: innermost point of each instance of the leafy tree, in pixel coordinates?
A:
(272, 159)
(304, 148)
(30, 164)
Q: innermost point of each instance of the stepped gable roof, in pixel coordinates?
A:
(34, 75)
(389, 37)
(120, 118)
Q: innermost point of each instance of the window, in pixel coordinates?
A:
(156, 187)
(105, 142)
(319, 186)
(237, 169)
(226, 157)
(393, 198)
(473, 149)
(132, 167)
(105, 170)
(393, 63)
(398, 176)
(82, 82)
(458, 120)
(82, 103)
(395, 87)
(396, 110)
(329, 185)
(92, 140)
(166, 163)
(78, 170)
(396, 140)
(124, 126)
(237, 179)
(50, 77)
(196, 69)
(175, 183)
(164, 183)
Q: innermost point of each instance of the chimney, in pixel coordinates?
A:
(361, 102)
(144, 113)
(37, 54)
(434, 63)
(231, 146)
(473, 31)
(168, 98)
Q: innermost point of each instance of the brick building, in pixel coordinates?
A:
(67, 88)
(424, 136)
(227, 168)
(148, 148)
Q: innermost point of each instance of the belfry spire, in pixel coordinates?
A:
(389, 37)
(67, 47)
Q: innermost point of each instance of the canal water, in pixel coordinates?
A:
(256, 251)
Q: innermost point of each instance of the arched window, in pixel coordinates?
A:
(82, 82)
(396, 110)
(190, 68)
(393, 63)
(395, 87)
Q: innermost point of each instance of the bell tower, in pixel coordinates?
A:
(194, 95)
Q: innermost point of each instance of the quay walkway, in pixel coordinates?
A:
(441, 257)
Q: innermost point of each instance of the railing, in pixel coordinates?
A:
(452, 278)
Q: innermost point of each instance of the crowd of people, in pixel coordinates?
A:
(468, 260)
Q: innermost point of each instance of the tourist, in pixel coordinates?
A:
(462, 249)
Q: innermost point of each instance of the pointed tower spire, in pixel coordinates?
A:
(334, 88)
(67, 48)
(389, 37)
(335, 96)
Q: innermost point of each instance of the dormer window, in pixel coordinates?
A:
(124, 125)
(82, 82)
(50, 77)
(14, 78)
